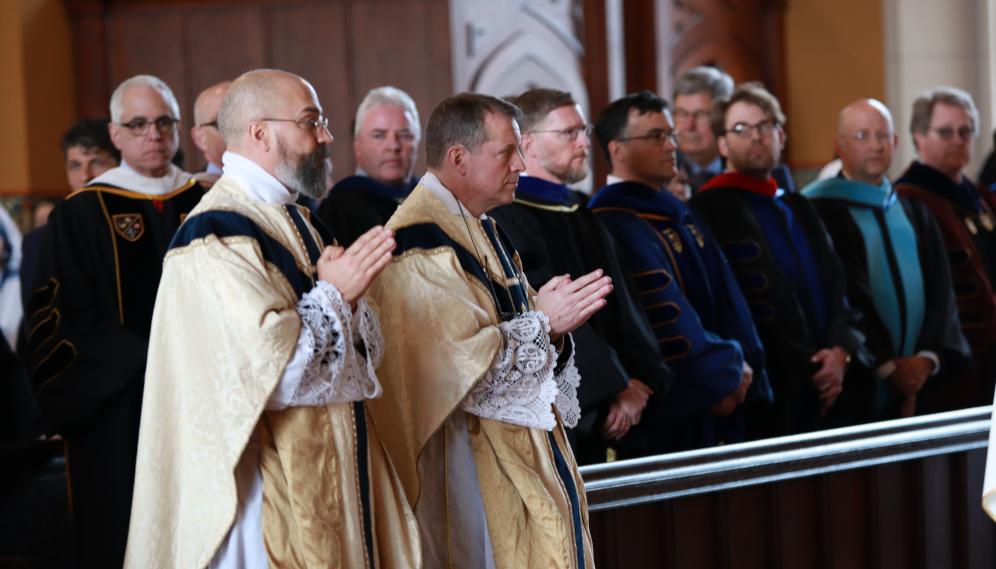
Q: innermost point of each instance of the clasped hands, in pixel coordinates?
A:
(352, 270)
(570, 303)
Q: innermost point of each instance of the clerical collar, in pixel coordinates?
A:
(126, 178)
(257, 183)
(453, 205)
(551, 191)
(767, 188)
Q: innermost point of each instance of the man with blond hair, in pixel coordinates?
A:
(555, 233)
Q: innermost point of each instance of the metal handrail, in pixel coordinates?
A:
(652, 479)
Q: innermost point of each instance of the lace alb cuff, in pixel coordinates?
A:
(519, 388)
(338, 371)
(568, 380)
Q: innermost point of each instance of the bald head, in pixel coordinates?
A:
(865, 141)
(264, 93)
(860, 111)
(208, 103)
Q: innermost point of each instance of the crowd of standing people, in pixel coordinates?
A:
(253, 365)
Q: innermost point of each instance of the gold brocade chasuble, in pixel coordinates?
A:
(441, 334)
(224, 329)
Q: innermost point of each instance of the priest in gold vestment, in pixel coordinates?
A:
(255, 448)
(478, 372)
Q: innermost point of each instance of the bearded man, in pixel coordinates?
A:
(793, 281)
(555, 233)
(255, 448)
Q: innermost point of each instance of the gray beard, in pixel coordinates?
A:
(310, 174)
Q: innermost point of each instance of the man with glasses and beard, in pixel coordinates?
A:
(91, 311)
(255, 449)
(701, 323)
(555, 234)
(945, 122)
(785, 265)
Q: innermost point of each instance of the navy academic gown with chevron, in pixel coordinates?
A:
(701, 321)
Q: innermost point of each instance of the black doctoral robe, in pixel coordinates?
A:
(357, 204)
(89, 322)
(940, 332)
(796, 313)
(555, 234)
(966, 215)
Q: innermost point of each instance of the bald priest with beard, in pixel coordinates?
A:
(255, 448)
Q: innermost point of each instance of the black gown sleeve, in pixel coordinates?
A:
(844, 324)
(348, 216)
(941, 332)
(850, 248)
(81, 356)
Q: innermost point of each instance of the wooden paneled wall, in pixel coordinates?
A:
(898, 494)
(343, 47)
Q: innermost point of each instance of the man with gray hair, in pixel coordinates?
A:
(386, 133)
(945, 122)
(694, 93)
(255, 449)
(479, 376)
(91, 311)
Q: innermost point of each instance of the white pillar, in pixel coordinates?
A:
(930, 43)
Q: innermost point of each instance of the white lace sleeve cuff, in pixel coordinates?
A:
(568, 380)
(519, 388)
(342, 367)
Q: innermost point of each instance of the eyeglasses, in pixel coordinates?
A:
(947, 132)
(570, 134)
(140, 125)
(866, 137)
(764, 128)
(656, 137)
(213, 123)
(701, 115)
(317, 124)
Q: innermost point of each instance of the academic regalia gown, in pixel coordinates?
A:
(795, 287)
(437, 302)
(898, 277)
(89, 322)
(555, 234)
(240, 266)
(357, 204)
(967, 218)
(701, 321)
